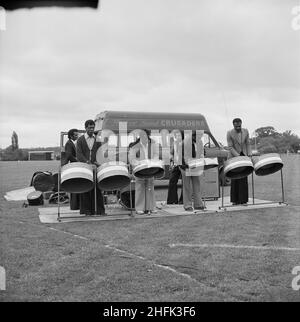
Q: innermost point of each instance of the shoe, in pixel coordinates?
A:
(199, 208)
(153, 211)
(139, 212)
(189, 209)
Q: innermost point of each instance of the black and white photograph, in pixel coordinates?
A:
(149, 154)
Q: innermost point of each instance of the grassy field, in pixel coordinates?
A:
(160, 259)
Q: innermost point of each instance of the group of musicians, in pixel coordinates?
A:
(84, 149)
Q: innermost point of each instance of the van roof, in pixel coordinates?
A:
(152, 121)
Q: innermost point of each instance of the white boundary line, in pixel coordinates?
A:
(235, 247)
(151, 262)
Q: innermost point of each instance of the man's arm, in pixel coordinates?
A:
(231, 145)
(248, 145)
(69, 154)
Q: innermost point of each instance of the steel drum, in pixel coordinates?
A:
(77, 177)
(210, 163)
(238, 167)
(195, 167)
(267, 164)
(149, 168)
(113, 176)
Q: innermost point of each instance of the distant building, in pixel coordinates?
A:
(40, 155)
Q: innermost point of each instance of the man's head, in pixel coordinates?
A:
(73, 134)
(89, 127)
(237, 124)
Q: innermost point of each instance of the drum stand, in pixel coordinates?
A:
(130, 190)
(253, 200)
(273, 202)
(58, 193)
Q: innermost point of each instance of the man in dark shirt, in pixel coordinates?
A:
(86, 150)
(70, 156)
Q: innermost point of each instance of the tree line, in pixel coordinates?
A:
(268, 140)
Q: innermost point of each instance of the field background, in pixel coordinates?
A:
(132, 260)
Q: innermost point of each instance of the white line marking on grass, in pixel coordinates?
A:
(235, 246)
(66, 232)
(166, 267)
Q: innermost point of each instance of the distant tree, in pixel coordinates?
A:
(265, 131)
(14, 141)
(269, 140)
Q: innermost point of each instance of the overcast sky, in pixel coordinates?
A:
(224, 59)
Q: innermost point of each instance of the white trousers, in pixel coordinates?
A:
(144, 194)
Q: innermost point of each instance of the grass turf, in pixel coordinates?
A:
(132, 260)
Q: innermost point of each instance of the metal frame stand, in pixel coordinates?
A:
(59, 217)
(130, 190)
(253, 198)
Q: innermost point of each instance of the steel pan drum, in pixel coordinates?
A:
(196, 163)
(77, 177)
(267, 164)
(148, 169)
(113, 176)
(210, 163)
(238, 167)
(195, 167)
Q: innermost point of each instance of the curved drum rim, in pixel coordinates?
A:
(244, 163)
(148, 164)
(119, 172)
(78, 184)
(210, 163)
(267, 164)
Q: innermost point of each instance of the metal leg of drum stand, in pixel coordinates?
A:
(282, 187)
(130, 196)
(223, 176)
(95, 191)
(204, 202)
(253, 189)
(58, 195)
(146, 188)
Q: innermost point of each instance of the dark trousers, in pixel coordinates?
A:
(74, 201)
(172, 189)
(87, 203)
(239, 190)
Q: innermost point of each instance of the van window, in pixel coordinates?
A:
(208, 141)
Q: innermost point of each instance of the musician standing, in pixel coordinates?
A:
(191, 177)
(70, 156)
(239, 145)
(142, 149)
(175, 173)
(86, 149)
